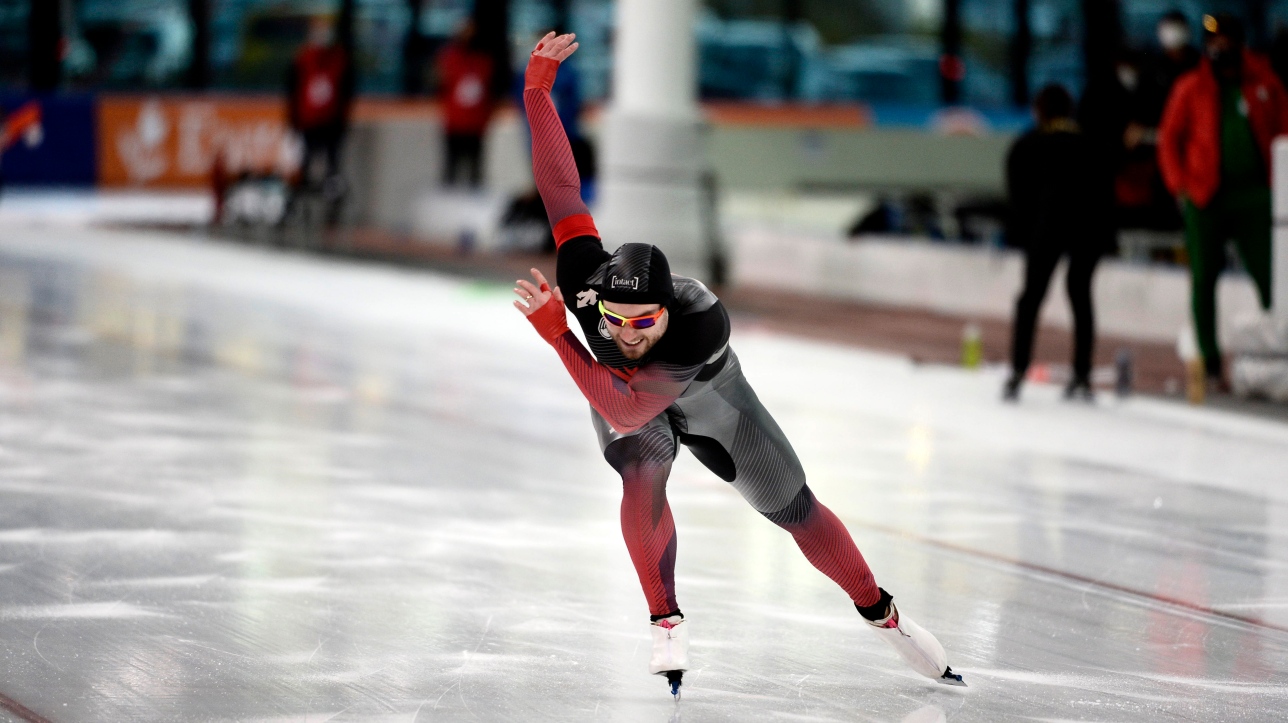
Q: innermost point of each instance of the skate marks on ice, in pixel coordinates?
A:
(1131, 695)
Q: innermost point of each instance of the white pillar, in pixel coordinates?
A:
(1279, 251)
(651, 140)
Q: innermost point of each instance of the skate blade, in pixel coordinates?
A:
(951, 678)
(675, 677)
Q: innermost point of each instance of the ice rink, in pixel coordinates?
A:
(239, 484)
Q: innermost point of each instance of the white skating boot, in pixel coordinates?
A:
(670, 650)
(917, 647)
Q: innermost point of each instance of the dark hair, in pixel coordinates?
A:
(1223, 24)
(1053, 102)
(1174, 16)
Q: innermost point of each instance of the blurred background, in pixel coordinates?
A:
(851, 151)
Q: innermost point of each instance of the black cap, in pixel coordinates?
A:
(636, 274)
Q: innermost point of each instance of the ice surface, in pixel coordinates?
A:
(243, 485)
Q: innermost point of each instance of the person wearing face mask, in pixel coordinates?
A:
(1177, 56)
(1143, 198)
(658, 372)
(1214, 152)
(1121, 121)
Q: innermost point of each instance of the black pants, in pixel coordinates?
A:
(1038, 267)
(324, 141)
(464, 152)
(320, 143)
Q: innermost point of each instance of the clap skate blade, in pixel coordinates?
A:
(670, 650)
(917, 647)
(951, 678)
(674, 678)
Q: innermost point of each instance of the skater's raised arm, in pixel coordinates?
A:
(553, 166)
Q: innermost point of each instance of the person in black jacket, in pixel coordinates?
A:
(1060, 205)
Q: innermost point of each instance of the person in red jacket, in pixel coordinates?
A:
(319, 93)
(1214, 152)
(465, 74)
(658, 372)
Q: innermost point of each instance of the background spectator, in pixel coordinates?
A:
(319, 96)
(1214, 150)
(1059, 205)
(466, 90)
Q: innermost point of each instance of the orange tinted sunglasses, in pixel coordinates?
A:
(635, 322)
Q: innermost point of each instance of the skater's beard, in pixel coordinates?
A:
(638, 350)
(635, 343)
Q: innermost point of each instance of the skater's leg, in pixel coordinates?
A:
(828, 546)
(732, 434)
(747, 448)
(643, 459)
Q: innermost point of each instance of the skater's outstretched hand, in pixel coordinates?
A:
(556, 47)
(548, 319)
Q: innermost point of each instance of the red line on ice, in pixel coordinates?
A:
(21, 710)
(1174, 601)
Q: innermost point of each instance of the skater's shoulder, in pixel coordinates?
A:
(698, 325)
(576, 259)
(691, 296)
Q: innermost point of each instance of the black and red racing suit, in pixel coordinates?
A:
(688, 389)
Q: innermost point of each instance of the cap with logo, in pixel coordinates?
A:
(636, 274)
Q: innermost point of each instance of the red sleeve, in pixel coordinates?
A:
(1172, 132)
(552, 162)
(627, 406)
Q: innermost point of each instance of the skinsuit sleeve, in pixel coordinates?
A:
(626, 404)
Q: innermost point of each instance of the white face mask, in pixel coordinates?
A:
(1128, 77)
(1173, 36)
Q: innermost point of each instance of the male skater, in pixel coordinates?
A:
(662, 373)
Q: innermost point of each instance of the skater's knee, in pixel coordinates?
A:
(650, 448)
(796, 511)
(645, 482)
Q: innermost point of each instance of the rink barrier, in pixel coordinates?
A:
(1134, 300)
(67, 153)
(169, 140)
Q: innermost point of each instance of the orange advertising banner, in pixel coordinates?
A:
(169, 141)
